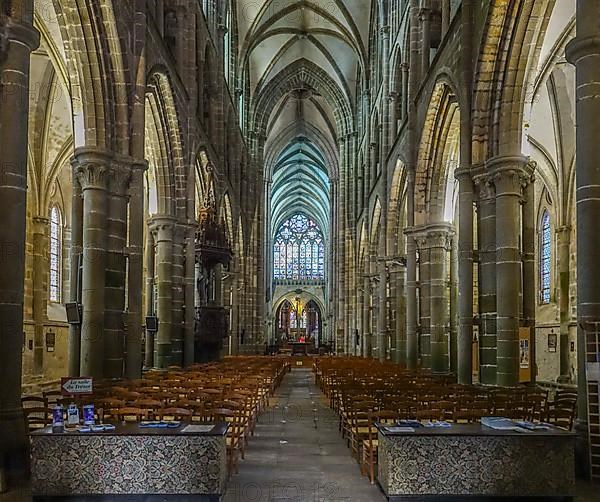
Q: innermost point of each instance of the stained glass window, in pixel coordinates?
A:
(299, 250)
(545, 258)
(55, 254)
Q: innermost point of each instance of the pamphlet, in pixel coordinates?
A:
(197, 428)
(394, 429)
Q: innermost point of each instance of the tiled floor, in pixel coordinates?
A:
(297, 455)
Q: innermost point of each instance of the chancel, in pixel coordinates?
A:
(299, 250)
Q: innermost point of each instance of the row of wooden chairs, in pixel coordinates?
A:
(364, 391)
(235, 391)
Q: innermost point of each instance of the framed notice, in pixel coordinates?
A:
(552, 342)
(524, 353)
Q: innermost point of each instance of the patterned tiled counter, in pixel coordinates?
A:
(130, 461)
(472, 460)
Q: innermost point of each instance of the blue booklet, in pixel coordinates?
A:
(155, 424)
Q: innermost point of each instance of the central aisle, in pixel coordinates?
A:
(297, 454)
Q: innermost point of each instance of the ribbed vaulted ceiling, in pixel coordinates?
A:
(294, 39)
(300, 185)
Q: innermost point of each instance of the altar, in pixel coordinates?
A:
(300, 348)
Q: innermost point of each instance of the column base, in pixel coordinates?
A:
(14, 457)
(582, 451)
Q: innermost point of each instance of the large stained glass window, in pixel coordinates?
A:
(299, 250)
(55, 254)
(545, 258)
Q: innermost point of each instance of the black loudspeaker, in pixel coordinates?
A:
(152, 323)
(73, 313)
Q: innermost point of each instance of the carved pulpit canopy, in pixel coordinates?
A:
(212, 245)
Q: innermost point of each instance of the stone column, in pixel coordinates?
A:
(425, 22)
(178, 298)
(190, 296)
(454, 307)
(17, 39)
(404, 69)
(93, 173)
(424, 301)
(393, 106)
(584, 52)
(412, 348)
(465, 276)
(114, 292)
(486, 227)
(382, 318)
(528, 264)
(163, 227)
(40, 289)
(464, 248)
(135, 271)
(367, 315)
(508, 175)
(235, 314)
(74, 278)
(150, 274)
(392, 314)
(445, 17)
(399, 298)
(564, 277)
(439, 237)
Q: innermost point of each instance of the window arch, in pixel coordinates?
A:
(545, 263)
(299, 250)
(55, 254)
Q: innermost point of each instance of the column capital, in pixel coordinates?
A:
(162, 227)
(92, 174)
(40, 224)
(580, 47)
(463, 174)
(119, 176)
(140, 165)
(510, 174)
(22, 32)
(90, 167)
(484, 184)
(434, 235)
(385, 30)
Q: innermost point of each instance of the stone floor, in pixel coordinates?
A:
(297, 455)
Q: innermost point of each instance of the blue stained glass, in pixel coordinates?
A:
(299, 252)
(545, 258)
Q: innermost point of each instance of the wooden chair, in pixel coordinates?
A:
(371, 443)
(359, 425)
(34, 402)
(37, 417)
(178, 414)
(151, 406)
(562, 416)
(51, 397)
(130, 414)
(233, 435)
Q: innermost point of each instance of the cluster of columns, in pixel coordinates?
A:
(433, 243)
(439, 287)
(170, 291)
(107, 268)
